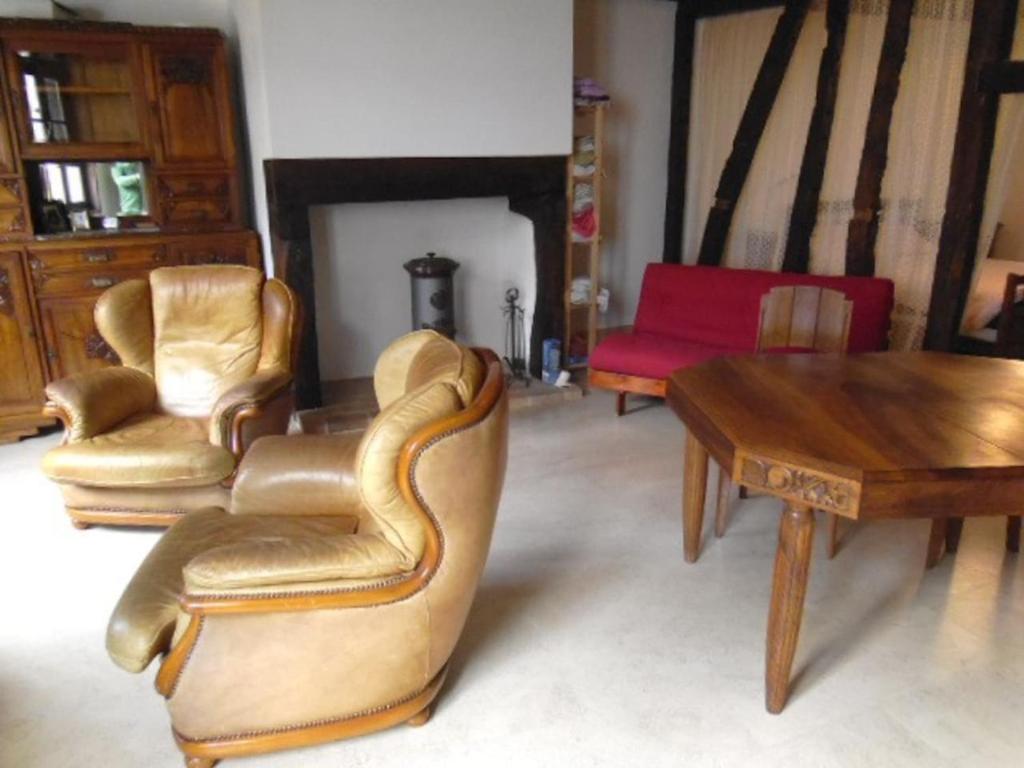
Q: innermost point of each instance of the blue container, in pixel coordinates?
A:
(551, 362)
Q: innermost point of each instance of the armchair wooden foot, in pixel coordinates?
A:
(200, 762)
(620, 404)
(421, 717)
(81, 525)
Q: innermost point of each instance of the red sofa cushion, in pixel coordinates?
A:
(652, 356)
(720, 307)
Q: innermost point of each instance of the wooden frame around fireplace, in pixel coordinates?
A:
(535, 188)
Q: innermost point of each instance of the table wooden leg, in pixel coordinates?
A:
(937, 541)
(722, 502)
(792, 563)
(695, 478)
(954, 527)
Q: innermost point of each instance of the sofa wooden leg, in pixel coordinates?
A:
(420, 718)
(199, 762)
(743, 492)
(81, 524)
(1013, 533)
(936, 542)
(620, 404)
(954, 527)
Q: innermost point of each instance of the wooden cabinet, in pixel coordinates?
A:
(73, 94)
(21, 370)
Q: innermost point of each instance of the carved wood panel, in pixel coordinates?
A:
(193, 105)
(787, 481)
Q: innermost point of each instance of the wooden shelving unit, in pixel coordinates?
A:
(583, 255)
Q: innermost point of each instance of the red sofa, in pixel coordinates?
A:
(687, 315)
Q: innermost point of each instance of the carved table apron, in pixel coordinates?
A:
(873, 436)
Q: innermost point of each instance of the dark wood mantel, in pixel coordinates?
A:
(534, 186)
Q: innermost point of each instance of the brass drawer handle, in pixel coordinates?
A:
(99, 257)
(102, 282)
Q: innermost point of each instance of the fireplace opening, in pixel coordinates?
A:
(362, 291)
(535, 188)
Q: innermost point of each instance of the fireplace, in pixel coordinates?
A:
(534, 186)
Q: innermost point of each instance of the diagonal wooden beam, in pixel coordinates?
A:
(863, 229)
(751, 128)
(812, 170)
(991, 39)
(682, 76)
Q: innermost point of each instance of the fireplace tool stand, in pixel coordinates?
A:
(515, 339)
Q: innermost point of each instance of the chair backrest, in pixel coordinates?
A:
(200, 330)
(420, 379)
(804, 317)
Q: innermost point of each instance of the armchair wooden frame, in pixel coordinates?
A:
(415, 709)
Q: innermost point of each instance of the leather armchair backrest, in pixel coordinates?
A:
(421, 378)
(281, 319)
(124, 318)
(207, 333)
(459, 480)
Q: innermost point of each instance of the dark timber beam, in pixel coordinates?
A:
(1003, 77)
(679, 135)
(991, 38)
(863, 229)
(812, 169)
(751, 128)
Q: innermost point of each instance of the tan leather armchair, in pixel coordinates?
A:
(327, 601)
(207, 358)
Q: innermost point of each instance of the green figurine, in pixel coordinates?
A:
(129, 187)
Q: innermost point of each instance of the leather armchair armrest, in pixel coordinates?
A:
(242, 402)
(93, 402)
(282, 563)
(298, 475)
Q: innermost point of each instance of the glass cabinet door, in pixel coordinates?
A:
(84, 96)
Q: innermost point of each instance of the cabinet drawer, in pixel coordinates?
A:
(212, 210)
(98, 256)
(97, 281)
(192, 185)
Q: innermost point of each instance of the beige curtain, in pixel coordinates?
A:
(920, 150)
(727, 54)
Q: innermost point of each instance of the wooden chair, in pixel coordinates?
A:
(796, 318)
(945, 533)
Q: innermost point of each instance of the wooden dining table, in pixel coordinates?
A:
(872, 436)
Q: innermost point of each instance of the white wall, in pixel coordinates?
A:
(362, 292)
(627, 45)
(396, 78)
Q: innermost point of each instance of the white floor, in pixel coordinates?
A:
(591, 642)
